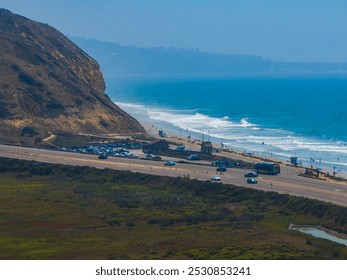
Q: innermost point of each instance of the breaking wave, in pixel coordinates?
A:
(243, 135)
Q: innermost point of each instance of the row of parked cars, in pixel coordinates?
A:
(147, 157)
(152, 157)
(118, 153)
(105, 148)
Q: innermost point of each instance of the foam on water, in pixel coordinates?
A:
(281, 116)
(242, 134)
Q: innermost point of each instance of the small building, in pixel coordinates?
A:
(161, 133)
(294, 161)
(156, 147)
(206, 147)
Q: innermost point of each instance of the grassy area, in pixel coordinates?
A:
(62, 212)
(71, 140)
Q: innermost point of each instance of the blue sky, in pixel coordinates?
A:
(305, 30)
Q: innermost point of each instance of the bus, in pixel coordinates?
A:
(268, 168)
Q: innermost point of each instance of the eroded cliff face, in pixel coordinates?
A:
(48, 85)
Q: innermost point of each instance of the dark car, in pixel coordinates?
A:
(102, 156)
(157, 158)
(221, 169)
(149, 157)
(180, 148)
(251, 181)
(251, 174)
(194, 157)
(169, 163)
(152, 157)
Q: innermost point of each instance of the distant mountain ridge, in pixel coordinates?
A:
(115, 58)
(49, 85)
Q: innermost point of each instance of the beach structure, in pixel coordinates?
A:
(156, 147)
(161, 133)
(206, 147)
(294, 161)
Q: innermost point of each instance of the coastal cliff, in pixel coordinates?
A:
(48, 86)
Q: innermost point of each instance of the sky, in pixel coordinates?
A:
(287, 30)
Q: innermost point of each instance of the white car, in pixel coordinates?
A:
(216, 178)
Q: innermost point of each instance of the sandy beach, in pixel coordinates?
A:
(231, 110)
(194, 145)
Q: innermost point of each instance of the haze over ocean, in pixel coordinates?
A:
(278, 115)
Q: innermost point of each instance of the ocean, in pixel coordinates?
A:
(269, 115)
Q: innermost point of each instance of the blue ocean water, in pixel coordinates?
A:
(277, 115)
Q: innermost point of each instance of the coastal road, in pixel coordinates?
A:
(287, 182)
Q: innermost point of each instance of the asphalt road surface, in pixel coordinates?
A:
(287, 182)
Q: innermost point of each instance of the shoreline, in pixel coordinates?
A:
(153, 129)
(244, 122)
(174, 133)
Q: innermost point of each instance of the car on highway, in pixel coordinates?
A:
(251, 181)
(221, 169)
(169, 163)
(216, 178)
(251, 174)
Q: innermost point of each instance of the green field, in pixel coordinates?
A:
(52, 211)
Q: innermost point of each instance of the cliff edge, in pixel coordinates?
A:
(48, 85)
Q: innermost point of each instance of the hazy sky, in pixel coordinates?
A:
(288, 30)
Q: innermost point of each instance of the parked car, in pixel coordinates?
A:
(251, 181)
(221, 169)
(225, 163)
(121, 150)
(193, 157)
(169, 163)
(102, 156)
(216, 178)
(156, 158)
(149, 157)
(152, 157)
(251, 174)
(130, 155)
(180, 148)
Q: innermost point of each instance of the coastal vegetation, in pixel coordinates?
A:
(51, 211)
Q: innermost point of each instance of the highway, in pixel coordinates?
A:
(287, 182)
